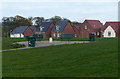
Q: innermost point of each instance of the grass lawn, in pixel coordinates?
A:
(97, 59)
(0, 64)
(7, 42)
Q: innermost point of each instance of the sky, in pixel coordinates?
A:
(75, 10)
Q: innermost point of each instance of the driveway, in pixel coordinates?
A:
(46, 43)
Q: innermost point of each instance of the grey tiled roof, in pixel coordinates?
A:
(59, 26)
(45, 26)
(20, 29)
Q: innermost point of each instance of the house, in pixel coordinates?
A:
(45, 29)
(21, 31)
(110, 29)
(62, 27)
(33, 28)
(77, 31)
(90, 26)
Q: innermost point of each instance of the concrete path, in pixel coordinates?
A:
(46, 43)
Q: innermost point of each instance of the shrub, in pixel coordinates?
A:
(15, 45)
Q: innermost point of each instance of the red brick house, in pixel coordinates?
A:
(110, 29)
(77, 31)
(45, 29)
(20, 32)
(62, 27)
(90, 26)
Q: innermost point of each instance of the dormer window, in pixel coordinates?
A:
(57, 28)
(41, 28)
(85, 26)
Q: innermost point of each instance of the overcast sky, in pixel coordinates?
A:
(75, 10)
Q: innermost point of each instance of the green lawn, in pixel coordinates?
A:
(97, 59)
(0, 65)
(7, 42)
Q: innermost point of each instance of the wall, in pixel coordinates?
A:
(16, 35)
(48, 32)
(28, 32)
(109, 29)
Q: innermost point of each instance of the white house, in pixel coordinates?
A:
(110, 29)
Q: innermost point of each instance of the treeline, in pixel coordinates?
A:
(10, 23)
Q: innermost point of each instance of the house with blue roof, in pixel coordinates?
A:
(33, 28)
(20, 32)
(62, 27)
(45, 29)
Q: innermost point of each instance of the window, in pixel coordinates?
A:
(41, 28)
(57, 28)
(94, 33)
(58, 35)
(54, 34)
(98, 33)
(102, 32)
(109, 33)
(85, 26)
(75, 35)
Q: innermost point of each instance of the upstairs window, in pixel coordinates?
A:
(85, 26)
(41, 28)
(109, 33)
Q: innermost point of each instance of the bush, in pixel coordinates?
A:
(17, 45)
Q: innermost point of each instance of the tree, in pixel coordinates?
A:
(38, 20)
(66, 19)
(21, 21)
(55, 19)
(31, 20)
(9, 23)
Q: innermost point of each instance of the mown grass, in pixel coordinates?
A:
(7, 42)
(97, 59)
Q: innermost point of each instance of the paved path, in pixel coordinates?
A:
(46, 43)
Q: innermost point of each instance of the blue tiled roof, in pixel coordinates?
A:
(45, 26)
(20, 29)
(61, 25)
